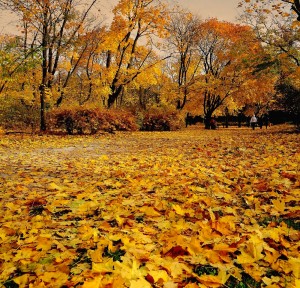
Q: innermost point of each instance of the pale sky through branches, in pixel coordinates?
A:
(221, 9)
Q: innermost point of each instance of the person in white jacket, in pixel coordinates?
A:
(253, 121)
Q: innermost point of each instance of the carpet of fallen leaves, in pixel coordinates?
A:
(192, 208)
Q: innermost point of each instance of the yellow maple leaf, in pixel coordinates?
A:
(224, 247)
(7, 269)
(95, 283)
(194, 246)
(96, 255)
(117, 282)
(270, 281)
(130, 268)
(22, 281)
(140, 283)
(159, 275)
(295, 265)
(86, 232)
(25, 253)
(212, 215)
(177, 269)
(104, 267)
(273, 233)
(44, 243)
(56, 278)
(11, 206)
(271, 256)
(255, 247)
(244, 258)
(222, 227)
(211, 280)
(279, 205)
(170, 284)
(254, 270)
(149, 211)
(191, 285)
(54, 186)
(178, 209)
(212, 256)
(3, 235)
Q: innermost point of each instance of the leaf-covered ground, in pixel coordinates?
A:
(192, 208)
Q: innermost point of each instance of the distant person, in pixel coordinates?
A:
(253, 121)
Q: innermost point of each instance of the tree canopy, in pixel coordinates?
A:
(148, 56)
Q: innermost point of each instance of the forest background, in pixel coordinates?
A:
(70, 68)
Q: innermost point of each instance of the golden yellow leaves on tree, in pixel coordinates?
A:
(66, 65)
(151, 76)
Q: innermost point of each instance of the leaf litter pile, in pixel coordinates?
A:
(192, 208)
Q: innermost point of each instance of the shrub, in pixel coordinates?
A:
(90, 120)
(16, 115)
(160, 120)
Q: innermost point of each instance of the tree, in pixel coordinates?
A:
(296, 8)
(279, 32)
(226, 51)
(268, 6)
(289, 98)
(19, 81)
(185, 62)
(15, 59)
(10, 53)
(54, 25)
(135, 27)
(83, 61)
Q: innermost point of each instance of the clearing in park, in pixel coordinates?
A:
(192, 208)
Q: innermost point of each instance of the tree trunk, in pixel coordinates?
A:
(296, 8)
(207, 118)
(42, 109)
(45, 39)
(112, 98)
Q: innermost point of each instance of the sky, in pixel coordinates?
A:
(222, 9)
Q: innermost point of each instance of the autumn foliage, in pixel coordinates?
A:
(91, 120)
(162, 120)
(192, 208)
(147, 55)
(94, 120)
